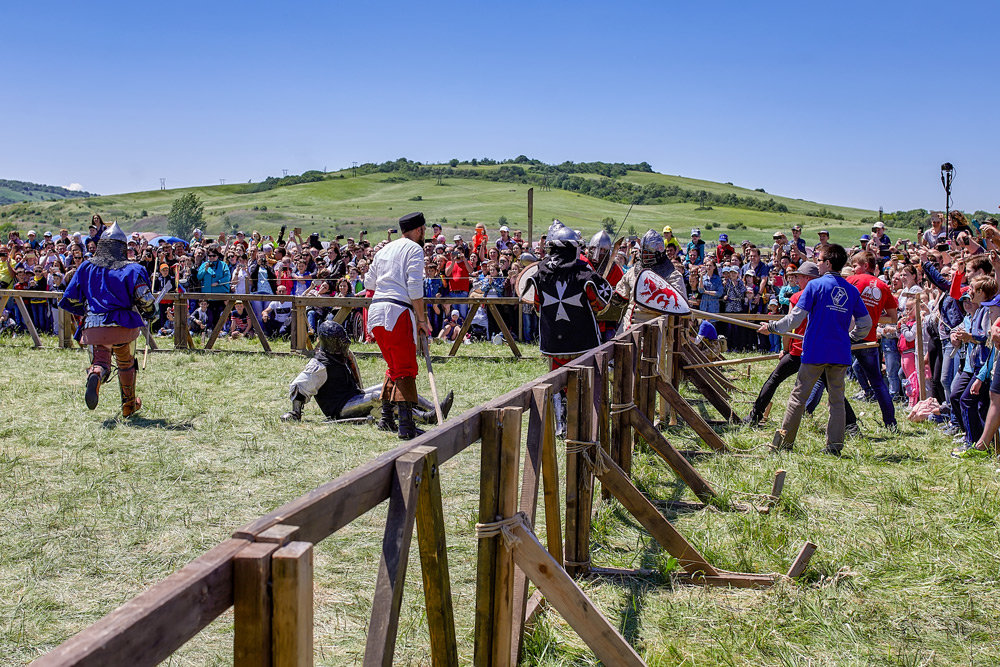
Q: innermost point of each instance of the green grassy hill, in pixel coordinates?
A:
(343, 204)
(21, 191)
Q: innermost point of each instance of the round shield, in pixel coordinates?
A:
(653, 292)
(525, 286)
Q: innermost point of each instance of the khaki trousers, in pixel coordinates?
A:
(804, 382)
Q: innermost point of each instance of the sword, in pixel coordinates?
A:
(430, 376)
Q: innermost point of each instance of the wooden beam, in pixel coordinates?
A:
(384, 623)
(292, 588)
(434, 563)
(919, 349)
(257, 328)
(252, 605)
(489, 505)
(691, 416)
(503, 601)
(668, 453)
(151, 626)
(734, 362)
(571, 602)
(217, 329)
(621, 433)
(713, 394)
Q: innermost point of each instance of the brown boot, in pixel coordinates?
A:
(126, 380)
(96, 375)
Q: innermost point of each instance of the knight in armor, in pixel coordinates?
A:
(652, 257)
(332, 378)
(601, 256)
(112, 296)
(568, 296)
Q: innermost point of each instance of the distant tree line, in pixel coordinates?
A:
(915, 218)
(37, 190)
(272, 182)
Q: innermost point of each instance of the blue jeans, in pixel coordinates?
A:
(890, 351)
(529, 322)
(948, 369)
(775, 341)
(462, 308)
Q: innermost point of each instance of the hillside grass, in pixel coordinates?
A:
(96, 510)
(342, 204)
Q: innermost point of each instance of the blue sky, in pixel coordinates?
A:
(843, 103)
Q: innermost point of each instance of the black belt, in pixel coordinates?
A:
(386, 299)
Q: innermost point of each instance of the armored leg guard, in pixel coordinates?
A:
(128, 370)
(407, 428)
(559, 403)
(97, 374)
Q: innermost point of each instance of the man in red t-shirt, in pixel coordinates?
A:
(456, 280)
(878, 299)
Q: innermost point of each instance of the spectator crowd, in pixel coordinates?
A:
(948, 274)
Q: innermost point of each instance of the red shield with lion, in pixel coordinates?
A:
(653, 292)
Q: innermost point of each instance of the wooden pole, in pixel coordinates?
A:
(579, 429)
(503, 607)
(531, 216)
(292, 588)
(489, 481)
(919, 351)
(252, 605)
(621, 432)
(739, 323)
(645, 392)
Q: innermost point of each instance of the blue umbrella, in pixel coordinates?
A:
(169, 239)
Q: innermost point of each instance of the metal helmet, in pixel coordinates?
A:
(562, 244)
(332, 337)
(600, 247)
(651, 248)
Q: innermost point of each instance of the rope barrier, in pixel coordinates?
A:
(618, 408)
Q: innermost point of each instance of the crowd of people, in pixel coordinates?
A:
(948, 274)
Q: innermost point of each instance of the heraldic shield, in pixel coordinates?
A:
(567, 323)
(653, 292)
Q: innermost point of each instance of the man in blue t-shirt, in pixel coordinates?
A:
(829, 303)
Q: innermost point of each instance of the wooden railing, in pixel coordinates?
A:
(265, 569)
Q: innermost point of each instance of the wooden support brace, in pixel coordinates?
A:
(292, 590)
(579, 486)
(713, 394)
(217, 329)
(779, 485)
(257, 328)
(507, 336)
(473, 309)
(802, 560)
(28, 324)
(691, 416)
(384, 623)
(668, 453)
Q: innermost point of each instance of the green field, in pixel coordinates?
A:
(96, 510)
(343, 204)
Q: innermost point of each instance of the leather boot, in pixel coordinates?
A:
(96, 376)
(387, 422)
(407, 428)
(447, 403)
(295, 414)
(126, 380)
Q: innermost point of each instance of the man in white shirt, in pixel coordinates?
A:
(395, 318)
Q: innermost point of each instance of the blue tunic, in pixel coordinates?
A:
(831, 302)
(106, 292)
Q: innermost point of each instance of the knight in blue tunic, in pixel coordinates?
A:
(112, 296)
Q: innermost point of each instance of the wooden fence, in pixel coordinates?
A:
(299, 331)
(265, 570)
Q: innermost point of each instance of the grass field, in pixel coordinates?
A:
(96, 510)
(347, 205)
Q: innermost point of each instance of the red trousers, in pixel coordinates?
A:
(398, 348)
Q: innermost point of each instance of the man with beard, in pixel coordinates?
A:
(396, 317)
(112, 296)
(333, 379)
(568, 296)
(652, 256)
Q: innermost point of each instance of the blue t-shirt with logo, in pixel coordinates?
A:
(831, 302)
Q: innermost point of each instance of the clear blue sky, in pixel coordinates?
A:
(844, 103)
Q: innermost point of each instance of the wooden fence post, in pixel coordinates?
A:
(645, 379)
(579, 434)
(621, 398)
(292, 589)
(181, 333)
(252, 611)
(503, 603)
(489, 481)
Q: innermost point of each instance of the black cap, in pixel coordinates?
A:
(411, 221)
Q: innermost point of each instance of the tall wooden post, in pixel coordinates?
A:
(645, 382)
(292, 590)
(181, 333)
(621, 396)
(531, 215)
(579, 477)
(919, 351)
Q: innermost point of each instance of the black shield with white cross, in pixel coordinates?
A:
(567, 324)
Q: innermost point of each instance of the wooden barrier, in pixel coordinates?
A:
(265, 570)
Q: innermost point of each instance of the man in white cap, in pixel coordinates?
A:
(505, 242)
(697, 245)
(882, 240)
(112, 296)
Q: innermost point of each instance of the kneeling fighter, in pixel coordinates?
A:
(112, 296)
(333, 379)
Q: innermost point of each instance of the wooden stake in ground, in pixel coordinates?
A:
(921, 383)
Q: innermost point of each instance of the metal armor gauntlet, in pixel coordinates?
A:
(145, 302)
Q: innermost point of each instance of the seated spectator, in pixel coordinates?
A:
(452, 327)
(239, 323)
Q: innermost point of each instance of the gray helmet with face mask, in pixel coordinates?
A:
(562, 245)
(651, 249)
(600, 247)
(333, 338)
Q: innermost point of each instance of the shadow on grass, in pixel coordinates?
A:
(143, 422)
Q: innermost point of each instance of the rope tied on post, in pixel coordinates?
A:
(618, 408)
(656, 367)
(503, 528)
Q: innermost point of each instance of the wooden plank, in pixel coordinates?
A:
(466, 325)
(621, 433)
(802, 560)
(550, 483)
(384, 623)
(646, 514)
(734, 362)
(507, 506)
(257, 328)
(148, 628)
(667, 333)
(342, 315)
(292, 589)
(540, 405)
(571, 602)
(434, 563)
(645, 380)
(507, 336)
(217, 329)
(725, 579)
(26, 317)
(181, 333)
(603, 388)
(489, 490)
(668, 453)
(281, 534)
(778, 485)
(691, 416)
(713, 395)
(920, 354)
(584, 475)
(713, 375)
(573, 464)
(252, 605)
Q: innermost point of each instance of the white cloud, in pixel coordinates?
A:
(75, 187)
